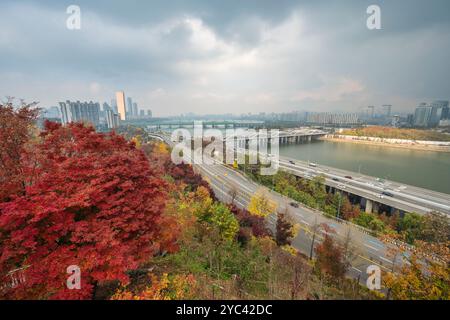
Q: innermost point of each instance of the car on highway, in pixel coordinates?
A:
(291, 162)
(385, 193)
(294, 204)
(341, 186)
(335, 179)
(312, 164)
(349, 177)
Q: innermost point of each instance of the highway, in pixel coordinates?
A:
(366, 249)
(404, 197)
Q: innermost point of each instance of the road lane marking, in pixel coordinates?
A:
(357, 269)
(383, 258)
(304, 222)
(376, 243)
(373, 248)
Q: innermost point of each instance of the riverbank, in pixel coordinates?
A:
(398, 145)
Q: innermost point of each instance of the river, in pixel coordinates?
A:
(426, 169)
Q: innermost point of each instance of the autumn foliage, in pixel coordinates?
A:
(15, 132)
(91, 200)
(330, 258)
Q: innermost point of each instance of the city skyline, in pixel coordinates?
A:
(264, 57)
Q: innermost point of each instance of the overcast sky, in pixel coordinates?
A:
(211, 56)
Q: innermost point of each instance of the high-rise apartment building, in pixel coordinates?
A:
(114, 105)
(388, 109)
(135, 110)
(149, 113)
(106, 107)
(422, 115)
(442, 109)
(112, 119)
(121, 105)
(79, 112)
(429, 115)
(332, 118)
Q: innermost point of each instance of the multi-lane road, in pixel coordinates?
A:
(366, 249)
(400, 196)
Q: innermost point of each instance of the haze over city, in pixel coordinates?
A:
(220, 57)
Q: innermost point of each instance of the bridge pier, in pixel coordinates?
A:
(369, 206)
(375, 207)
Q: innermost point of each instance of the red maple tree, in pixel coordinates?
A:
(94, 202)
(15, 132)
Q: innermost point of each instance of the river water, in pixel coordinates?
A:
(426, 169)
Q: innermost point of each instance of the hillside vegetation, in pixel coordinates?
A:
(397, 133)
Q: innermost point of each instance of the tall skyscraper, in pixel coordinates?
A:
(121, 105)
(135, 110)
(149, 113)
(130, 106)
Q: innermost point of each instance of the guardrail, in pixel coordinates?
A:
(13, 278)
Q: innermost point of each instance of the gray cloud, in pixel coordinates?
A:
(227, 56)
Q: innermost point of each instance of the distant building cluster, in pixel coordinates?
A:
(121, 109)
(426, 115)
(80, 112)
(326, 118)
(430, 115)
(294, 116)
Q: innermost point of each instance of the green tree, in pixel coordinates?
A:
(370, 221)
(411, 226)
(224, 220)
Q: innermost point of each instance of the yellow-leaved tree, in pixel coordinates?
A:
(416, 282)
(260, 204)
